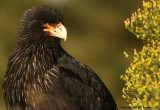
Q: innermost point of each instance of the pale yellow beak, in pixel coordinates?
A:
(58, 30)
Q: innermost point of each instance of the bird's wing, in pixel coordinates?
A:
(82, 84)
(70, 85)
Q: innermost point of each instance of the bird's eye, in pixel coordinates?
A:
(42, 22)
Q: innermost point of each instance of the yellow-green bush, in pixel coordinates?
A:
(142, 77)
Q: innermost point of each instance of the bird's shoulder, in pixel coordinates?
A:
(67, 64)
(75, 72)
(82, 84)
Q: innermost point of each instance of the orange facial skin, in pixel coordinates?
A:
(49, 28)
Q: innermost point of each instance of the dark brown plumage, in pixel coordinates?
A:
(42, 76)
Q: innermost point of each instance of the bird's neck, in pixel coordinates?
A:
(28, 66)
(35, 60)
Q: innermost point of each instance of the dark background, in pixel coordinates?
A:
(96, 36)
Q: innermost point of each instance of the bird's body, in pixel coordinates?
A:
(41, 75)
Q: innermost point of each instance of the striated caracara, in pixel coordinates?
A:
(41, 75)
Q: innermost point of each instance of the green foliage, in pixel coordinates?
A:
(142, 78)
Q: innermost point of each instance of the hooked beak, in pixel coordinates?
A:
(58, 30)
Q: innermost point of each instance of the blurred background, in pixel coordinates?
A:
(96, 36)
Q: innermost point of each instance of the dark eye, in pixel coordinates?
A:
(42, 22)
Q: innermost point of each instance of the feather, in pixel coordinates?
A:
(41, 75)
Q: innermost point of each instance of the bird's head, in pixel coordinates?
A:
(42, 23)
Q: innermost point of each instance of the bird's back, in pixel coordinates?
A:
(68, 85)
(84, 84)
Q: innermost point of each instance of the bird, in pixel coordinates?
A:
(41, 75)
